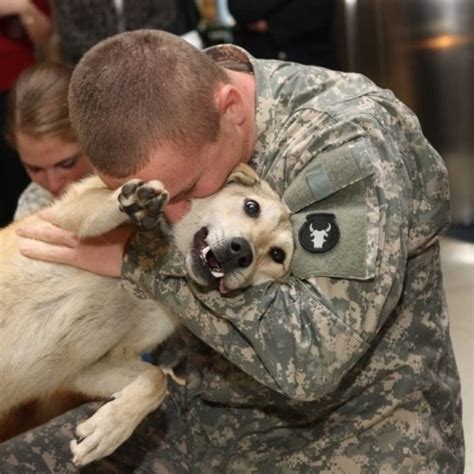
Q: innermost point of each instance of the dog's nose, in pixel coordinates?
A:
(239, 251)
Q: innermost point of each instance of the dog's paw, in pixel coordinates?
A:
(143, 202)
(101, 434)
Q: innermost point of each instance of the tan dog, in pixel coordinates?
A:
(63, 326)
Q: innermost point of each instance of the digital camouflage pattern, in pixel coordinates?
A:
(346, 367)
(158, 445)
(31, 200)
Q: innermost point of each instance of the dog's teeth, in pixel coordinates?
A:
(204, 252)
(217, 274)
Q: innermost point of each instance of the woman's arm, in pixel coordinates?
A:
(36, 23)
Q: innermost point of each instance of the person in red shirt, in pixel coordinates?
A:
(25, 26)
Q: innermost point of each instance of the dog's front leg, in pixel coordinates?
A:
(136, 388)
(90, 209)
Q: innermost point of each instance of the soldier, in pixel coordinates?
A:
(345, 367)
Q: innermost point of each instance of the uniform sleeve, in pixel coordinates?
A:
(302, 336)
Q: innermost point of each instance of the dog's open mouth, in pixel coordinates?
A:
(208, 258)
(206, 262)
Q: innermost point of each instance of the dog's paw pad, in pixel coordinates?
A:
(143, 202)
(130, 187)
(145, 193)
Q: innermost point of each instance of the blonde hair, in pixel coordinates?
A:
(138, 89)
(37, 104)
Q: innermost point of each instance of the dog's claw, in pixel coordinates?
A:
(143, 202)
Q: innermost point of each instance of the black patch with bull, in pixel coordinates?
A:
(319, 233)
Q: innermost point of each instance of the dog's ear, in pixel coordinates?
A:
(243, 175)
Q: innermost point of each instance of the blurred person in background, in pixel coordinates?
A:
(80, 24)
(291, 30)
(38, 127)
(25, 27)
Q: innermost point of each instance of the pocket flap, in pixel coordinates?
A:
(352, 256)
(330, 172)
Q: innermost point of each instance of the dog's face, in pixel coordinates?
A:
(238, 237)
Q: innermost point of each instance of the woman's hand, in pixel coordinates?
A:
(36, 24)
(42, 240)
(13, 7)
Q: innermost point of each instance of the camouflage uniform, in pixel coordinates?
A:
(32, 199)
(347, 366)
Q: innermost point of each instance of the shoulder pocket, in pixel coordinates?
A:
(335, 185)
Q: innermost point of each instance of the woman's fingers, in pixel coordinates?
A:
(42, 230)
(42, 240)
(101, 255)
(44, 251)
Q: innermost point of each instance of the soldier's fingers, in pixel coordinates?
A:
(46, 232)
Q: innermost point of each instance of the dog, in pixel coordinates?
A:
(62, 326)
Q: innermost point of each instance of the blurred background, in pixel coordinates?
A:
(423, 50)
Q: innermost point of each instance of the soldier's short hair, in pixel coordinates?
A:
(138, 89)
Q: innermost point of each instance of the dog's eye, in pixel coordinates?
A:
(278, 255)
(251, 208)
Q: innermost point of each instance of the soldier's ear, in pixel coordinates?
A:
(244, 175)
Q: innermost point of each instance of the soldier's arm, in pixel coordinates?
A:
(301, 337)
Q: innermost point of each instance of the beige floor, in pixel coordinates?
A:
(458, 268)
